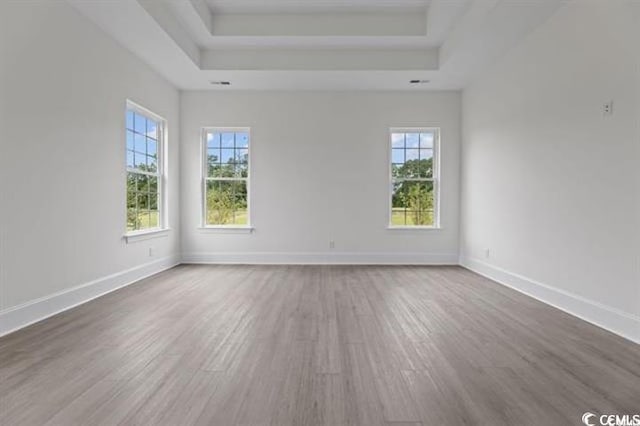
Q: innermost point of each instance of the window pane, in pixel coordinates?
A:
(130, 162)
(143, 218)
(240, 202)
(129, 119)
(398, 205)
(242, 140)
(132, 219)
(397, 196)
(153, 201)
(239, 188)
(154, 219)
(416, 200)
(397, 140)
(143, 183)
(412, 140)
(130, 139)
(214, 170)
(426, 140)
(227, 140)
(397, 170)
(426, 163)
(241, 217)
(220, 203)
(152, 129)
(397, 156)
(426, 154)
(398, 216)
(213, 140)
(221, 170)
(242, 156)
(140, 144)
(132, 180)
(152, 163)
(152, 184)
(242, 170)
(213, 156)
(140, 124)
(413, 168)
(139, 160)
(227, 203)
(143, 200)
(410, 169)
(227, 156)
(227, 170)
(131, 200)
(152, 147)
(412, 154)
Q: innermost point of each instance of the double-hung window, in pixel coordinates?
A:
(414, 171)
(226, 177)
(145, 133)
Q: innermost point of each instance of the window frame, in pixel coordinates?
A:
(204, 171)
(161, 173)
(435, 179)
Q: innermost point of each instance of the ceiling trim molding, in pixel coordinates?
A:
(321, 46)
(326, 59)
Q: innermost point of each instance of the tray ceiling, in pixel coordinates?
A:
(319, 44)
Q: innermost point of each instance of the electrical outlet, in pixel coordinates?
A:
(332, 244)
(151, 252)
(607, 108)
(487, 253)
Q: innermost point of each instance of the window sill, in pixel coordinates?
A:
(227, 229)
(134, 237)
(414, 228)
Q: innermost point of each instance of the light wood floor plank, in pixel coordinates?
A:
(314, 345)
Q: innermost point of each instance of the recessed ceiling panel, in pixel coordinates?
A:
(308, 6)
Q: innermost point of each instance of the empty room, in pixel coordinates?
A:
(320, 212)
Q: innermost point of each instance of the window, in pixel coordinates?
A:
(226, 177)
(145, 144)
(414, 178)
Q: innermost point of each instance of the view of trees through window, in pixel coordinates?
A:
(227, 166)
(143, 171)
(413, 178)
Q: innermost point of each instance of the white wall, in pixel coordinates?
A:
(319, 172)
(550, 185)
(63, 89)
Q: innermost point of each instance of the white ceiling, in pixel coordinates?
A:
(319, 44)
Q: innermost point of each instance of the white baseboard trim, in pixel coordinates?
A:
(612, 319)
(17, 317)
(319, 258)
(619, 322)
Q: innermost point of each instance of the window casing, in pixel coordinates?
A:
(414, 178)
(145, 139)
(226, 173)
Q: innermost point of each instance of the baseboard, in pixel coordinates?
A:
(338, 258)
(611, 319)
(17, 317)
